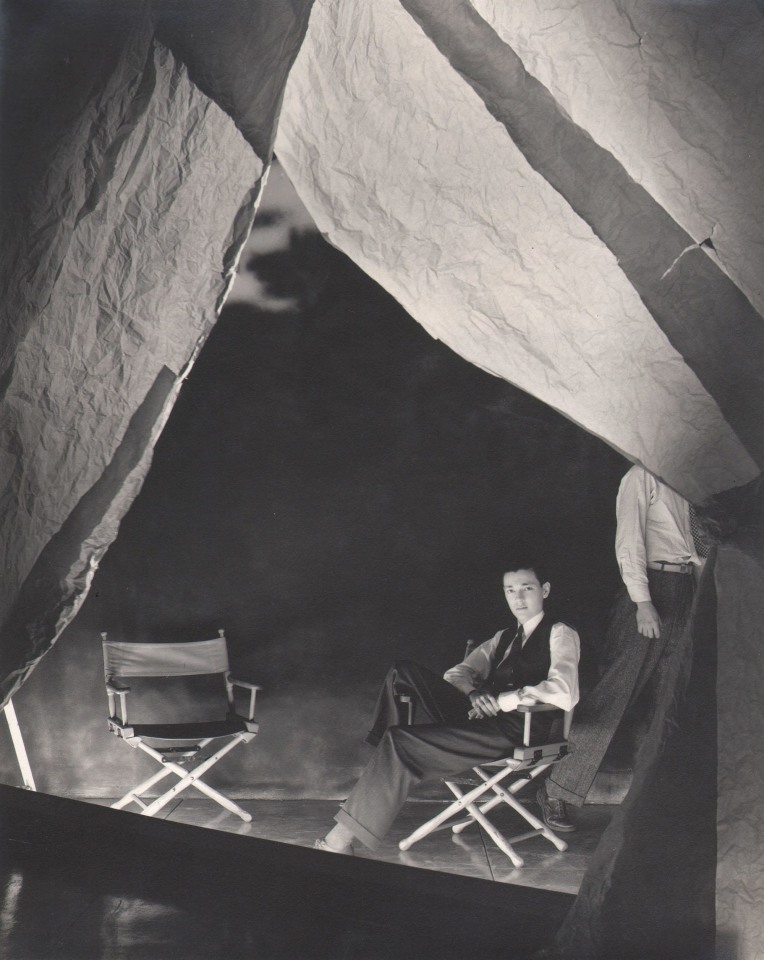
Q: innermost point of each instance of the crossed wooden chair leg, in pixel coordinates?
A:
(188, 777)
(467, 802)
(527, 762)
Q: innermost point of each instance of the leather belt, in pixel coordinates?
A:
(670, 567)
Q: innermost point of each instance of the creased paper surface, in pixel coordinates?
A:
(120, 281)
(405, 170)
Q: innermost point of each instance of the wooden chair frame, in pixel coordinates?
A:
(527, 761)
(187, 760)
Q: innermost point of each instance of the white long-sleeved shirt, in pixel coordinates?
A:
(653, 524)
(560, 687)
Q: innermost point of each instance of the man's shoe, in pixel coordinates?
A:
(321, 844)
(553, 812)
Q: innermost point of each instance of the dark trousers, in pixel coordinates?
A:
(446, 745)
(432, 697)
(633, 666)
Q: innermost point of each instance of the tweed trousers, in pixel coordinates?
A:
(633, 666)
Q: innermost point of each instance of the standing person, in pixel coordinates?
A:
(471, 711)
(660, 560)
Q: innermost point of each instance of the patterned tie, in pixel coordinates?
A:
(699, 538)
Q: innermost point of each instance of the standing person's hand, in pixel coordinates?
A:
(648, 621)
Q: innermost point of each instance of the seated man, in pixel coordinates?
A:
(472, 711)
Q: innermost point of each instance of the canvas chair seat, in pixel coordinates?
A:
(124, 661)
(204, 730)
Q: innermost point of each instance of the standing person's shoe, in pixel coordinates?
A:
(554, 812)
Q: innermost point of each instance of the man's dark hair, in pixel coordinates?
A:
(526, 562)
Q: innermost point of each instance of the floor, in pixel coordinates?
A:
(80, 881)
(469, 854)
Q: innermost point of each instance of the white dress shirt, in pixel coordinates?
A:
(653, 524)
(560, 687)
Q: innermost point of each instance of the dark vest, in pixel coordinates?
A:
(531, 667)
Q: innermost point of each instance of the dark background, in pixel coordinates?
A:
(336, 490)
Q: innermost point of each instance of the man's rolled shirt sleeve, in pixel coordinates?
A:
(561, 685)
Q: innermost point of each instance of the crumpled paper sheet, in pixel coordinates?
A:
(405, 170)
(120, 279)
(690, 79)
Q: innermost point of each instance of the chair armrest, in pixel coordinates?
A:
(232, 682)
(530, 709)
(538, 707)
(114, 690)
(408, 700)
(244, 683)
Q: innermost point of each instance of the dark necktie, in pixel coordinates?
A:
(699, 538)
(502, 669)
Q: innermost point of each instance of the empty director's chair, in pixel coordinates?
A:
(181, 748)
(525, 763)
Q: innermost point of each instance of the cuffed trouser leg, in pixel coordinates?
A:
(435, 699)
(632, 662)
(407, 755)
(379, 794)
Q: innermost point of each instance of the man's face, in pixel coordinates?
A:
(525, 595)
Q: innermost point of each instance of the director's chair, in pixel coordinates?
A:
(526, 762)
(179, 747)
